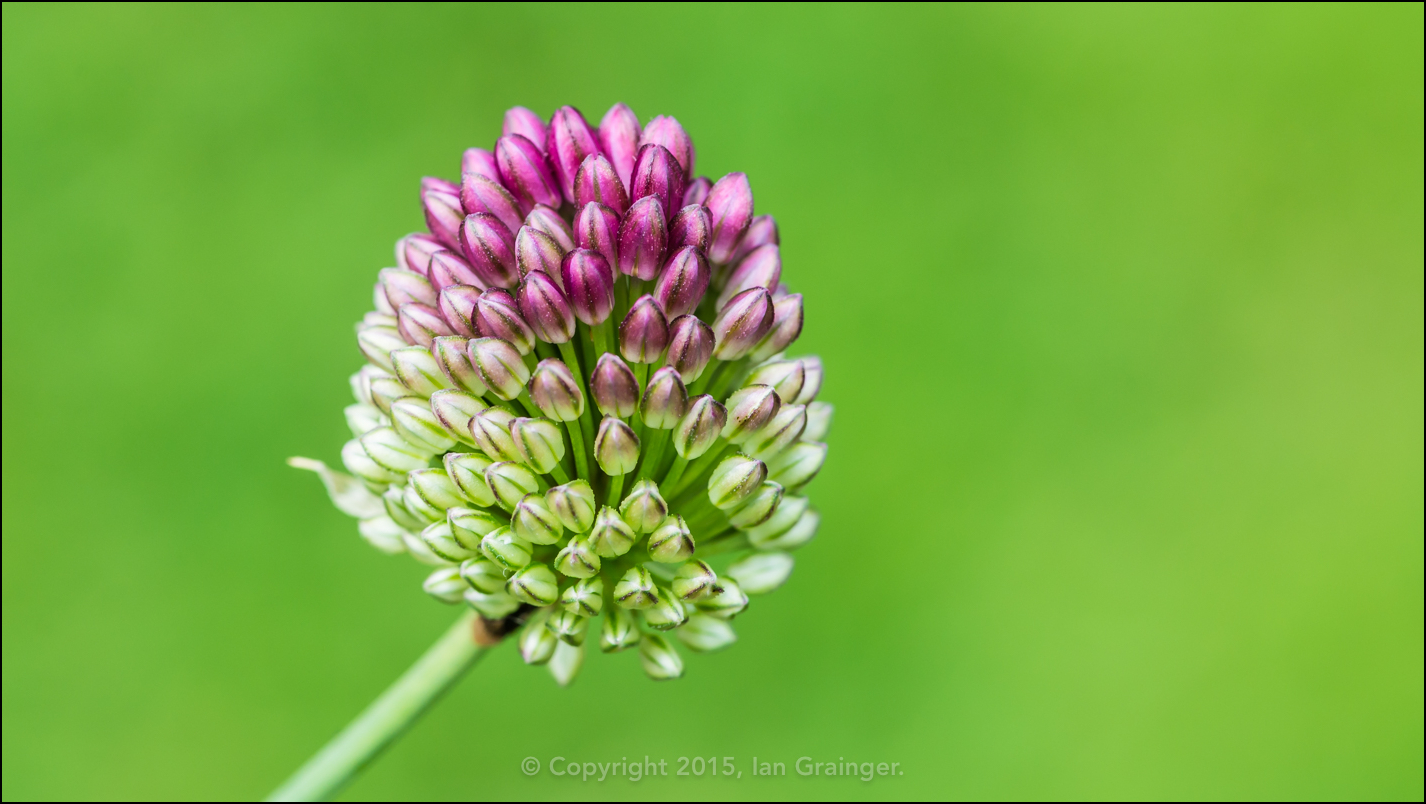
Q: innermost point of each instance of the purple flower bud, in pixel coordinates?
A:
(458, 308)
(762, 268)
(786, 326)
(657, 174)
(619, 139)
(665, 400)
(498, 316)
(597, 227)
(481, 162)
(666, 131)
(447, 269)
(614, 387)
(413, 252)
(748, 410)
(443, 215)
(537, 251)
(525, 172)
(454, 360)
(690, 227)
(404, 287)
(742, 323)
(588, 284)
(545, 309)
(439, 185)
(761, 231)
(598, 182)
(616, 448)
(643, 236)
(643, 334)
(420, 324)
(555, 391)
(697, 191)
(500, 366)
(525, 123)
(483, 194)
(489, 247)
(690, 346)
(571, 140)
(698, 430)
(730, 206)
(682, 282)
(547, 220)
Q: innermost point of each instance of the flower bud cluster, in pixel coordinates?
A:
(578, 404)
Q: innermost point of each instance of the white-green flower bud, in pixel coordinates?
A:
(794, 537)
(510, 481)
(819, 421)
(491, 606)
(506, 549)
(788, 512)
(694, 580)
(734, 480)
(644, 509)
(450, 354)
(392, 452)
(355, 459)
(697, 431)
(659, 658)
(671, 542)
(619, 631)
(565, 664)
(394, 501)
(454, 409)
(611, 536)
(483, 574)
(578, 559)
(726, 601)
(445, 585)
(574, 503)
(434, 486)
(537, 644)
(471, 525)
(783, 376)
(538, 442)
(386, 390)
(422, 509)
(417, 370)
(534, 522)
(667, 614)
(795, 466)
(757, 508)
(761, 573)
(362, 418)
(382, 533)
(585, 597)
(490, 429)
(421, 552)
(705, 634)
(500, 365)
(812, 382)
(534, 584)
(347, 493)
(437, 537)
(361, 383)
(568, 626)
(748, 410)
(780, 431)
(616, 447)
(377, 342)
(467, 471)
(636, 589)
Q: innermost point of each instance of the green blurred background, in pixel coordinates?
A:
(1121, 309)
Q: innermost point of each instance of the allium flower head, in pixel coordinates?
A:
(578, 403)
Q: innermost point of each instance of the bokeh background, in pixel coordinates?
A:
(1122, 313)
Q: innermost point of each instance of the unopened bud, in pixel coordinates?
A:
(480, 193)
(385, 391)
(726, 601)
(500, 366)
(578, 559)
(819, 421)
(783, 376)
(690, 346)
(533, 521)
(413, 253)
(619, 139)
(419, 508)
(537, 643)
(665, 400)
(597, 182)
(643, 239)
(585, 598)
(566, 662)
(730, 206)
(506, 549)
(420, 324)
(758, 507)
(393, 500)
(525, 171)
(694, 580)
(671, 542)
(525, 123)
(570, 142)
(406, 287)
(446, 270)
(361, 382)
(490, 430)
(734, 480)
(544, 307)
(643, 334)
(698, 430)
(781, 431)
(457, 307)
(795, 466)
(690, 227)
(611, 537)
(537, 251)
(483, 574)
(539, 443)
(356, 461)
(555, 390)
(443, 213)
(644, 508)
(742, 323)
(668, 613)
(596, 227)
(812, 369)
(491, 606)
(377, 342)
(683, 282)
(452, 355)
(615, 389)
(548, 220)
(616, 447)
(445, 585)
(471, 526)
(706, 634)
(489, 247)
(392, 452)
(636, 589)
(510, 481)
(760, 573)
(574, 503)
(498, 316)
(568, 626)
(659, 659)
(436, 488)
(467, 471)
(588, 283)
(801, 532)
(454, 410)
(761, 231)
(437, 537)
(749, 410)
(361, 418)
(619, 631)
(417, 370)
(666, 132)
(534, 584)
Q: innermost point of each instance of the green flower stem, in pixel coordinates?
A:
(670, 480)
(653, 452)
(576, 445)
(387, 717)
(703, 464)
(705, 378)
(616, 487)
(723, 544)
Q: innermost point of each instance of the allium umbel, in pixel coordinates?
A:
(579, 403)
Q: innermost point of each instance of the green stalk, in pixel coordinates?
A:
(576, 445)
(387, 717)
(670, 480)
(616, 487)
(653, 453)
